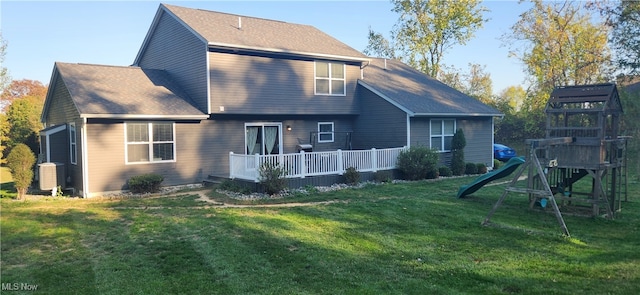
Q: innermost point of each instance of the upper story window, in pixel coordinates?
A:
(73, 154)
(442, 131)
(330, 78)
(325, 132)
(149, 142)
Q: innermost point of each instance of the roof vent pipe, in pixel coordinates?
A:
(239, 23)
(385, 63)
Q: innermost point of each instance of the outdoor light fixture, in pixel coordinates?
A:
(288, 127)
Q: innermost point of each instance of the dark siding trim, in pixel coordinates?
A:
(175, 49)
(249, 84)
(380, 124)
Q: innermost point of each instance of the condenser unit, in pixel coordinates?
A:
(51, 176)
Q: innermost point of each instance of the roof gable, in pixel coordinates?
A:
(236, 31)
(597, 96)
(419, 94)
(100, 91)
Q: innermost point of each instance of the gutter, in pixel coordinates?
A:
(456, 115)
(146, 117)
(281, 51)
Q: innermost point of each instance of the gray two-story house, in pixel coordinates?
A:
(206, 84)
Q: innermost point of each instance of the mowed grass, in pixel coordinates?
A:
(405, 238)
(6, 184)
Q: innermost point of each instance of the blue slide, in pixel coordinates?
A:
(479, 182)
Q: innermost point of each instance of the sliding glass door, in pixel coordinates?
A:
(263, 138)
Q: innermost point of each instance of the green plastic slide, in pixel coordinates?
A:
(479, 182)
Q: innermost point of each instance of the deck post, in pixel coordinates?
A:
(374, 160)
(257, 165)
(303, 164)
(339, 164)
(231, 168)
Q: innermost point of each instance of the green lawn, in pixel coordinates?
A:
(6, 184)
(409, 238)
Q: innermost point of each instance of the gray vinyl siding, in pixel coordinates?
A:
(478, 133)
(245, 84)
(380, 124)
(107, 164)
(302, 128)
(178, 51)
(59, 145)
(61, 110)
(420, 128)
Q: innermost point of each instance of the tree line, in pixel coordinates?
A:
(560, 43)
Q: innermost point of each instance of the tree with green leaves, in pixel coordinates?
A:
(379, 46)
(26, 100)
(426, 29)
(4, 136)
(560, 44)
(479, 84)
(457, 152)
(623, 17)
(20, 161)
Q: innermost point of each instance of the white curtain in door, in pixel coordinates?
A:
(270, 135)
(252, 136)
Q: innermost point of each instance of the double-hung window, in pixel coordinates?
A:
(325, 132)
(329, 78)
(73, 154)
(442, 131)
(149, 142)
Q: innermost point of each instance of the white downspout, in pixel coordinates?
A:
(85, 159)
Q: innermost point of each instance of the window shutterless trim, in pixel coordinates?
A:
(150, 143)
(320, 132)
(442, 134)
(330, 79)
(73, 145)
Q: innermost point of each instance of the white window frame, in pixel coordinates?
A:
(150, 143)
(330, 79)
(262, 125)
(320, 133)
(442, 134)
(73, 146)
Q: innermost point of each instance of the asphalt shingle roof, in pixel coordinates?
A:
(114, 90)
(418, 93)
(257, 33)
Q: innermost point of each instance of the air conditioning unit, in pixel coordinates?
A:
(51, 176)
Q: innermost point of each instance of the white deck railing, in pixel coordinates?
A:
(305, 164)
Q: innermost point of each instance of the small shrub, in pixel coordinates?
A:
(432, 174)
(233, 186)
(383, 176)
(352, 176)
(497, 164)
(481, 168)
(20, 161)
(445, 171)
(145, 183)
(272, 178)
(471, 168)
(458, 142)
(418, 162)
